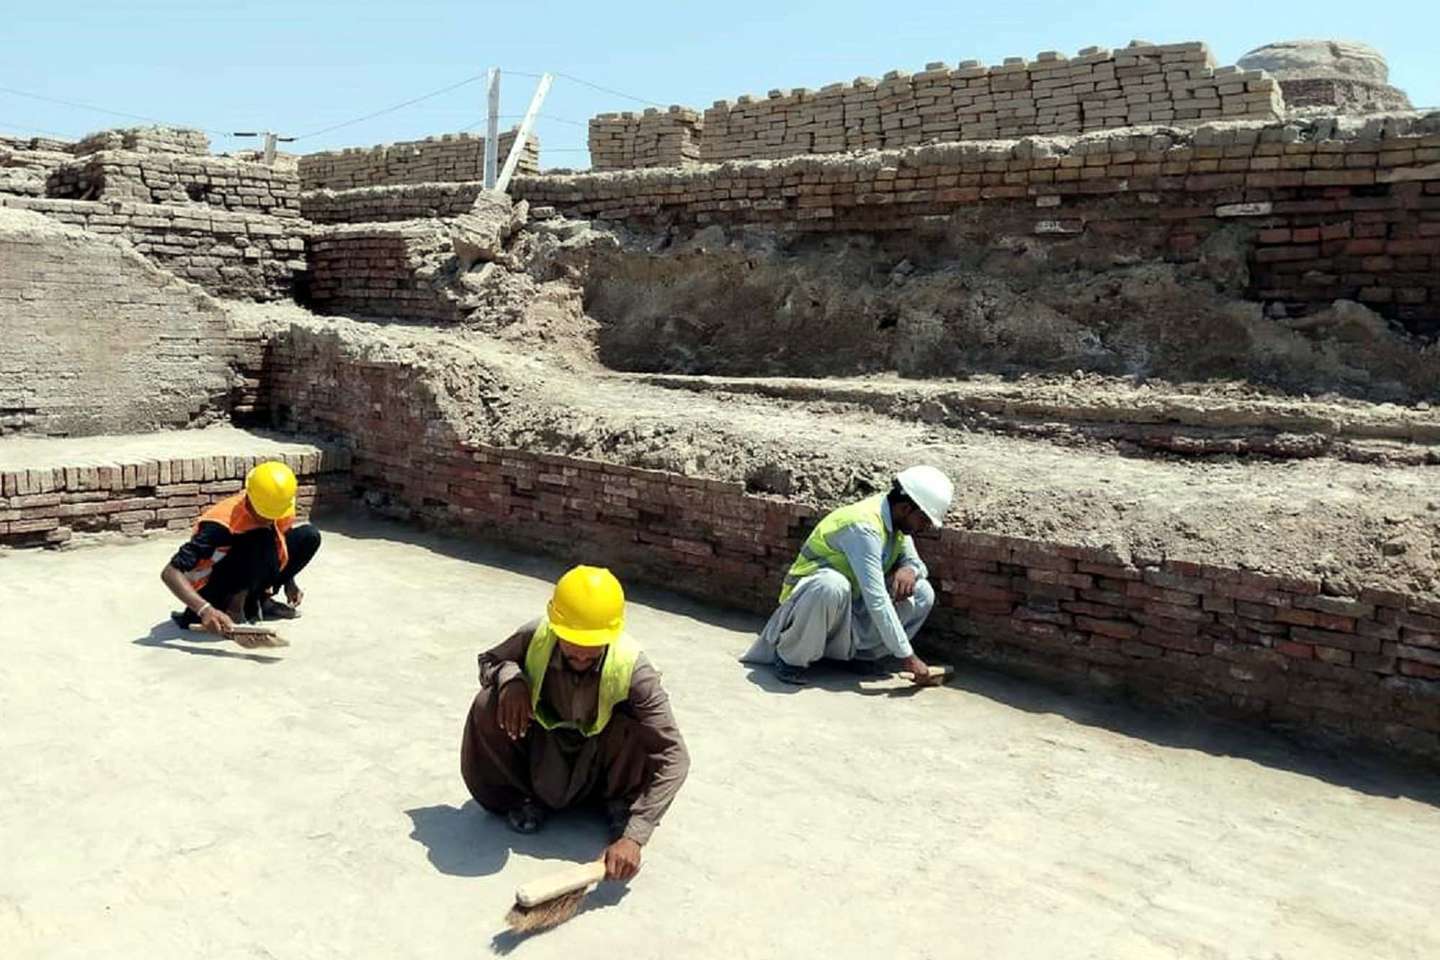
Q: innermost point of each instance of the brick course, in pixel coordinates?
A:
(447, 159)
(1170, 632)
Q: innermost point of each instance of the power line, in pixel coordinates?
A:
(113, 113)
(18, 129)
(392, 109)
(614, 93)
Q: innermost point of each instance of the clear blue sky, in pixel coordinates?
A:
(299, 66)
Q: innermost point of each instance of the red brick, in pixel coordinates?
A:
(1329, 638)
(1109, 628)
(1146, 592)
(1299, 651)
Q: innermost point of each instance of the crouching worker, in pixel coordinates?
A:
(244, 549)
(571, 713)
(859, 590)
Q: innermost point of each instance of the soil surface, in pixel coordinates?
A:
(168, 797)
(1308, 511)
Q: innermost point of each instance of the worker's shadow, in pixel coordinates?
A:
(468, 841)
(167, 636)
(832, 678)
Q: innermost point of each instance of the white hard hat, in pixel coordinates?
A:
(930, 489)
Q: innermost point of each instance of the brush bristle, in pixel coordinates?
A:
(545, 915)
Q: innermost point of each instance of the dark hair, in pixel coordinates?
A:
(897, 495)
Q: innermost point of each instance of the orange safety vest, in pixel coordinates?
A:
(234, 514)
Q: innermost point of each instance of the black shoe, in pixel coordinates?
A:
(865, 668)
(272, 609)
(786, 673)
(529, 817)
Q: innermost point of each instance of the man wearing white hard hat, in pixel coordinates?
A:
(858, 591)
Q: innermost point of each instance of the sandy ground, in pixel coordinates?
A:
(171, 798)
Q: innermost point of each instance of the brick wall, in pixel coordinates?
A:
(49, 505)
(1052, 94)
(25, 164)
(447, 159)
(380, 270)
(1269, 649)
(625, 141)
(97, 340)
(412, 201)
(1349, 210)
(176, 140)
(239, 255)
(219, 182)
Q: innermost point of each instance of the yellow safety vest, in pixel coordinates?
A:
(615, 673)
(818, 552)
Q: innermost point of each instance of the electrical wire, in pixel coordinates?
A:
(392, 109)
(114, 113)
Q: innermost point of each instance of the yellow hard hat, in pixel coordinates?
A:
(271, 489)
(588, 607)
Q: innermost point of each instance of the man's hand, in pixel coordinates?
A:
(218, 621)
(902, 584)
(622, 859)
(919, 672)
(293, 594)
(513, 710)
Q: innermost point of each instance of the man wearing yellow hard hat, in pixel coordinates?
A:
(243, 549)
(570, 713)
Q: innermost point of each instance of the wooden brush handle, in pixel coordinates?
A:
(938, 671)
(560, 883)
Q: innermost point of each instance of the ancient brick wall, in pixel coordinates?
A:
(447, 159)
(626, 141)
(1348, 211)
(237, 255)
(1270, 649)
(219, 182)
(97, 340)
(173, 140)
(415, 201)
(1053, 94)
(379, 270)
(26, 163)
(50, 504)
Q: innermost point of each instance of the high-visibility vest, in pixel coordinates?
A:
(615, 672)
(234, 514)
(819, 553)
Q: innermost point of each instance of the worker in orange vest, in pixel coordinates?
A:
(244, 549)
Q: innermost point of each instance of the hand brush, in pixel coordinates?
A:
(550, 901)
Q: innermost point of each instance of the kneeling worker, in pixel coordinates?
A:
(571, 712)
(243, 549)
(858, 591)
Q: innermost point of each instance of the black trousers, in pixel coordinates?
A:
(252, 565)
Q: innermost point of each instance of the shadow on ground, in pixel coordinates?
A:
(467, 841)
(167, 636)
(1334, 763)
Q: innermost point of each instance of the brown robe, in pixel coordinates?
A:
(634, 766)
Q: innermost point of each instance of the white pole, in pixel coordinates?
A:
(523, 136)
(492, 132)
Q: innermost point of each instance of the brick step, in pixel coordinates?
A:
(54, 488)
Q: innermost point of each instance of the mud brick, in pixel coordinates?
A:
(1252, 594)
(1410, 668)
(1175, 611)
(1077, 580)
(1341, 641)
(1374, 628)
(1118, 629)
(1418, 622)
(1304, 618)
(1146, 592)
(1176, 641)
(1109, 598)
(1217, 604)
(34, 526)
(1384, 598)
(1157, 577)
(1428, 655)
(1418, 638)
